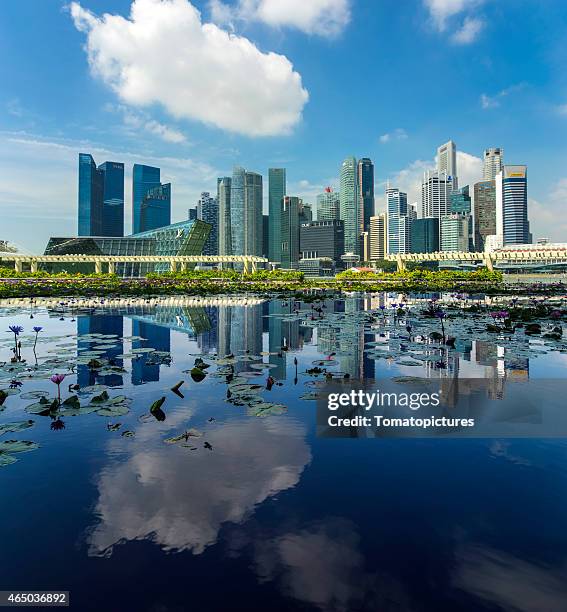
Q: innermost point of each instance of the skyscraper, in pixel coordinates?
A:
(156, 208)
(253, 221)
(101, 198)
(447, 161)
(365, 179)
(192, 214)
(224, 185)
(144, 178)
(208, 211)
(237, 210)
(320, 239)
(398, 221)
(290, 231)
(493, 162)
(425, 235)
(90, 197)
(454, 232)
(436, 194)
(378, 236)
(350, 211)
(113, 198)
(484, 210)
(305, 212)
(276, 191)
(328, 206)
(512, 223)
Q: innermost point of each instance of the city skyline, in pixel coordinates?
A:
(490, 105)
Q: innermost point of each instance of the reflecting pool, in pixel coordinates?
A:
(222, 497)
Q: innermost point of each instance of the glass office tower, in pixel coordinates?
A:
(113, 199)
(366, 191)
(276, 191)
(144, 178)
(237, 210)
(156, 208)
(90, 197)
(350, 205)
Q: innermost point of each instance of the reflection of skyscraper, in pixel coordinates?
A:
(207, 341)
(107, 325)
(239, 329)
(146, 368)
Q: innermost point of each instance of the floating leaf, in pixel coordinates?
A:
(197, 374)
(15, 426)
(128, 434)
(18, 446)
(6, 459)
(113, 411)
(190, 433)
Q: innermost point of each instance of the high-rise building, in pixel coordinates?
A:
(512, 223)
(454, 231)
(113, 198)
(322, 239)
(237, 210)
(101, 198)
(461, 201)
(253, 219)
(484, 211)
(192, 214)
(378, 237)
(425, 235)
(305, 212)
(328, 205)
(90, 197)
(208, 211)
(350, 211)
(398, 221)
(265, 236)
(290, 231)
(276, 191)
(144, 178)
(493, 163)
(224, 185)
(436, 190)
(156, 208)
(365, 179)
(447, 161)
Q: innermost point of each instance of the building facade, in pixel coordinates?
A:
(484, 212)
(144, 178)
(208, 211)
(365, 180)
(512, 205)
(224, 186)
(253, 218)
(328, 205)
(447, 161)
(378, 237)
(290, 232)
(350, 212)
(322, 239)
(276, 191)
(493, 163)
(436, 190)
(454, 230)
(100, 198)
(425, 235)
(398, 221)
(156, 208)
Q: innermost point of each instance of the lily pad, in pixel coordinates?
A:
(113, 411)
(18, 446)
(15, 426)
(190, 433)
(6, 459)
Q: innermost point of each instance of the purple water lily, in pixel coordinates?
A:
(441, 315)
(16, 330)
(36, 329)
(58, 379)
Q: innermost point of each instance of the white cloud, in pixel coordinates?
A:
(494, 101)
(141, 121)
(468, 32)
(164, 54)
(397, 134)
(547, 215)
(444, 14)
(321, 17)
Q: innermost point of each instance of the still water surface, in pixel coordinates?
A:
(251, 510)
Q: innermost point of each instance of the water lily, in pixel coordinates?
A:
(36, 329)
(16, 330)
(441, 316)
(57, 425)
(58, 379)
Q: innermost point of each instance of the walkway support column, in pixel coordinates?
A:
(173, 266)
(98, 266)
(254, 268)
(18, 265)
(111, 267)
(33, 265)
(183, 266)
(488, 261)
(245, 271)
(401, 264)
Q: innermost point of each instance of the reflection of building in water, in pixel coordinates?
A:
(239, 329)
(92, 324)
(146, 367)
(207, 341)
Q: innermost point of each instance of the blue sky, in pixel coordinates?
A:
(297, 83)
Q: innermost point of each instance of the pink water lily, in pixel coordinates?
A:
(58, 379)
